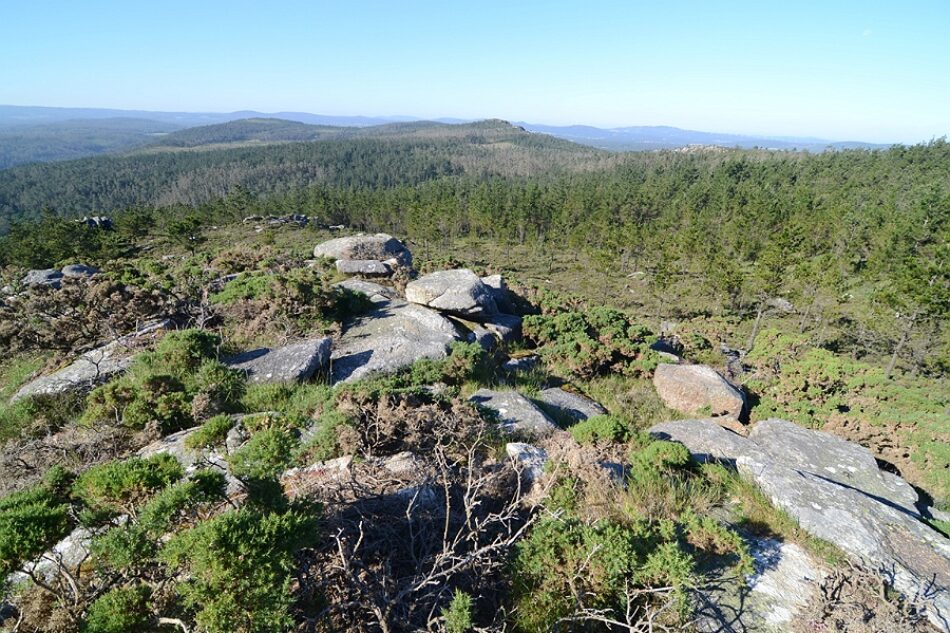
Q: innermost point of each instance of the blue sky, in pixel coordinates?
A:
(870, 70)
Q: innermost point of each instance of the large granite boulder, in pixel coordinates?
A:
(380, 247)
(836, 493)
(569, 404)
(695, 388)
(47, 277)
(393, 336)
(92, 368)
(458, 292)
(296, 362)
(515, 412)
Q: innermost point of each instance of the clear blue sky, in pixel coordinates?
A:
(870, 70)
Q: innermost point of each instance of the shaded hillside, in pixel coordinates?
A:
(78, 138)
(398, 154)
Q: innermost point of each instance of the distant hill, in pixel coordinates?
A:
(76, 138)
(203, 166)
(644, 138)
(62, 133)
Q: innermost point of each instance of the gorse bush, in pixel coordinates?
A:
(458, 615)
(172, 386)
(601, 428)
(119, 486)
(265, 455)
(120, 610)
(212, 433)
(590, 342)
(31, 521)
(238, 567)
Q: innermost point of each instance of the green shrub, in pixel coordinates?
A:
(117, 487)
(121, 610)
(299, 403)
(169, 386)
(244, 286)
(212, 433)
(458, 615)
(239, 567)
(323, 443)
(31, 521)
(596, 341)
(600, 428)
(124, 548)
(265, 455)
(161, 512)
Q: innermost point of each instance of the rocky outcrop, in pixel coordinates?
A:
(391, 337)
(297, 362)
(505, 327)
(79, 271)
(516, 413)
(459, 292)
(785, 579)
(697, 388)
(195, 459)
(375, 292)
(92, 368)
(835, 491)
(499, 290)
(382, 249)
(529, 460)
(570, 405)
(47, 277)
(365, 267)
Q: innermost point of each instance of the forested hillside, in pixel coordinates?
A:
(72, 139)
(400, 154)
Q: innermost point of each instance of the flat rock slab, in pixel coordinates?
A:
(785, 579)
(293, 363)
(695, 388)
(515, 412)
(47, 277)
(368, 267)
(838, 460)
(458, 292)
(569, 404)
(873, 525)
(375, 292)
(390, 338)
(92, 368)
(79, 270)
(380, 247)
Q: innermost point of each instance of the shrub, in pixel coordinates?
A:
(297, 402)
(121, 610)
(595, 341)
(124, 548)
(240, 566)
(31, 521)
(163, 510)
(264, 456)
(118, 486)
(600, 428)
(212, 433)
(323, 443)
(458, 615)
(170, 386)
